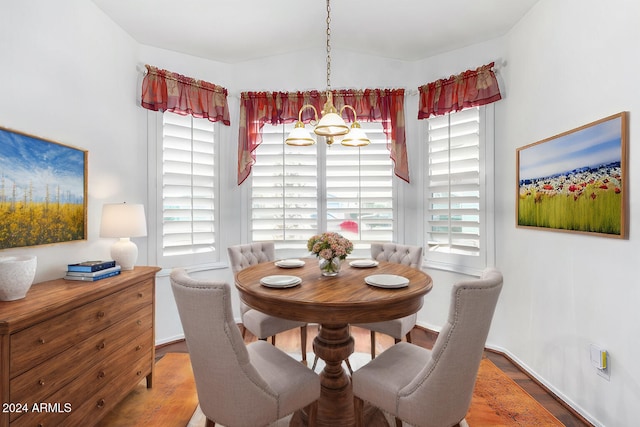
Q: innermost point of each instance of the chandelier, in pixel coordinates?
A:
(331, 123)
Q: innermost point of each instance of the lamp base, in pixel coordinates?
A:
(125, 253)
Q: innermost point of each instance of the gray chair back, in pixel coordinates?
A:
(242, 256)
(444, 388)
(398, 254)
(226, 381)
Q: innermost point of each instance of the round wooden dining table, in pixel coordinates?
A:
(334, 303)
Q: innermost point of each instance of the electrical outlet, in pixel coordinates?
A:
(604, 373)
(600, 361)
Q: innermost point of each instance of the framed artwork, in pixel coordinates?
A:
(43, 191)
(576, 181)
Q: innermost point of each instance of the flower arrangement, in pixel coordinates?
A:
(329, 245)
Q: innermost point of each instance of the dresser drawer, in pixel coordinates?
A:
(98, 405)
(107, 381)
(36, 384)
(41, 342)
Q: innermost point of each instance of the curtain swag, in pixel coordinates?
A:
(371, 105)
(468, 89)
(164, 90)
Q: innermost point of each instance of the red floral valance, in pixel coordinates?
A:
(371, 105)
(163, 90)
(468, 89)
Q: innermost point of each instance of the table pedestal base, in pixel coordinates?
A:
(334, 344)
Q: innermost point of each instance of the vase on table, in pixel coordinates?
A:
(330, 267)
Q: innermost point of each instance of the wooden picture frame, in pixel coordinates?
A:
(43, 191)
(576, 181)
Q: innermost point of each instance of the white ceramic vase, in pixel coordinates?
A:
(16, 276)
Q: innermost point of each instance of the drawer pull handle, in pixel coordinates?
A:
(101, 374)
(100, 403)
(41, 340)
(100, 314)
(100, 346)
(139, 373)
(138, 347)
(139, 322)
(41, 382)
(140, 294)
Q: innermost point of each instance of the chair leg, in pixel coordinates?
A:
(312, 414)
(398, 422)
(373, 345)
(315, 362)
(409, 337)
(358, 408)
(273, 340)
(348, 366)
(244, 331)
(396, 340)
(210, 423)
(303, 343)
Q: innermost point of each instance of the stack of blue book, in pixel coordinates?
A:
(90, 271)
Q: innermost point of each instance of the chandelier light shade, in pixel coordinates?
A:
(299, 135)
(356, 137)
(331, 124)
(123, 221)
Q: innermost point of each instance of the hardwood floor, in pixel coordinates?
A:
(290, 341)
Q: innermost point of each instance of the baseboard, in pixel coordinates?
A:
(559, 397)
(168, 341)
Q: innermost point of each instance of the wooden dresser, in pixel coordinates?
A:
(70, 351)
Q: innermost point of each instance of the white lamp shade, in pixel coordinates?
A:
(123, 221)
(331, 124)
(300, 136)
(356, 137)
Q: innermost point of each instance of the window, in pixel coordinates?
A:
(187, 199)
(301, 191)
(456, 193)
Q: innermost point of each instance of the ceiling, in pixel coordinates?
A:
(233, 31)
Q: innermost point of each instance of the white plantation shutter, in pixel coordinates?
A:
(359, 189)
(188, 188)
(298, 192)
(454, 188)
(284, 195)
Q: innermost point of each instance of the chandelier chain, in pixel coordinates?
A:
(328, 46)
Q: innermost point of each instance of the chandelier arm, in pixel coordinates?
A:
(355, 115)
(304, 107)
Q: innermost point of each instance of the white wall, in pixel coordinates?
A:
(68, 74)
(569, 62)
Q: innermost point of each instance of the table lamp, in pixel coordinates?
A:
(123, 221)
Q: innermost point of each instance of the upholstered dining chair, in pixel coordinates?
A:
(237, 385)
(433, 388)
(260, 324)
(396, 328)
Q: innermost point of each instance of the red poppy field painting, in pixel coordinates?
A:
(575, 181)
